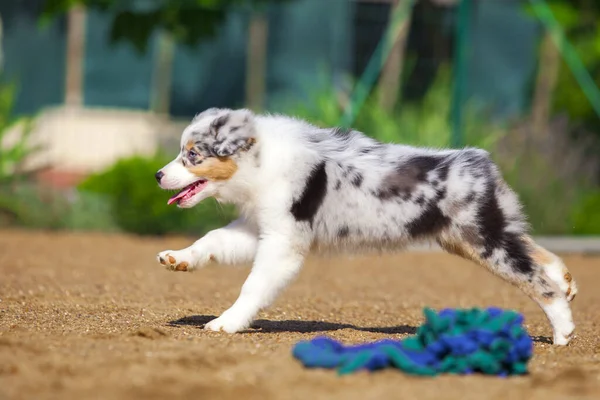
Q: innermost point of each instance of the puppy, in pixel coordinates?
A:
(299, 187)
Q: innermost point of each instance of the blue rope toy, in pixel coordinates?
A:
(458, 341)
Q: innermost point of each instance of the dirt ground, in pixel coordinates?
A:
(92, 316)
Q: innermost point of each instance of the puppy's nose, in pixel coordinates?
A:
(159, 176)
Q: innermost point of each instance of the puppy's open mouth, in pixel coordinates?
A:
(188, 192)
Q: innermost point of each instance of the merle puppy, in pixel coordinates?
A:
(299, 187)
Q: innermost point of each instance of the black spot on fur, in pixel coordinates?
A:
(234, 128)
(219, 123)
(306, 207)
(518, 254)
(491, 221)
(440, 194)
(343, 232)
(431, 221)
(420, 200)
(407, 176)
(443, 171)
(357, 180)
(478, 163)
(548, 295)
(338, 185)
(544, 283)
(386, 194)
(419, 166)
(470, 197)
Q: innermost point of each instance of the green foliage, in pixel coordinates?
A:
(13, 152)
(139, 206)
(187, 21)
(580, 20)
(585, 218)
(424, 124)
(29, 205)
(568, 96)
(547, 199)
(12, 155)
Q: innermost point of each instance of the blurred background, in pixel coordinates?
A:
(94, 95)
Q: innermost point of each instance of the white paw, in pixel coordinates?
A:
(563, 340)
(227, 323)
(181, 260)
(564, 333)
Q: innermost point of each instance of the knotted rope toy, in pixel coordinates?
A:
(458, 341)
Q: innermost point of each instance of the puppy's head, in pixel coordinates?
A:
(211, 148)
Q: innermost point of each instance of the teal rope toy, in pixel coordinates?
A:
(491, 341)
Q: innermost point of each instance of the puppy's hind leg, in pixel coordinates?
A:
(516, 261)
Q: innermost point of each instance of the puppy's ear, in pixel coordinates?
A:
(234, 132)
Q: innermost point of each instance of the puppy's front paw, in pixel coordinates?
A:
(176, 260)
(226, 323)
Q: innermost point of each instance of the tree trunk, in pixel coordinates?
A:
(75, 57)
(390, 80)
(162, 76)
(256, 61)
(547, 76)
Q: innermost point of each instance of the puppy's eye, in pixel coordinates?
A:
(192, 154)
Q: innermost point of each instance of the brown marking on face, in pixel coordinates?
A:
(183, 266)
(568, 277)
(215, 169)
(171, 259)
(189, 145)
(568, 291)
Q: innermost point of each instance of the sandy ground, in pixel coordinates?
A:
(90, 316)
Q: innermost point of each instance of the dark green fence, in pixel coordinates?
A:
(305, 38)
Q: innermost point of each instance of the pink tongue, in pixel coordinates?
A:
(178, 196)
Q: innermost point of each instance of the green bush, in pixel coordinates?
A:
(29, 205)
(13, 156)
(139, 206)
(585, 219)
